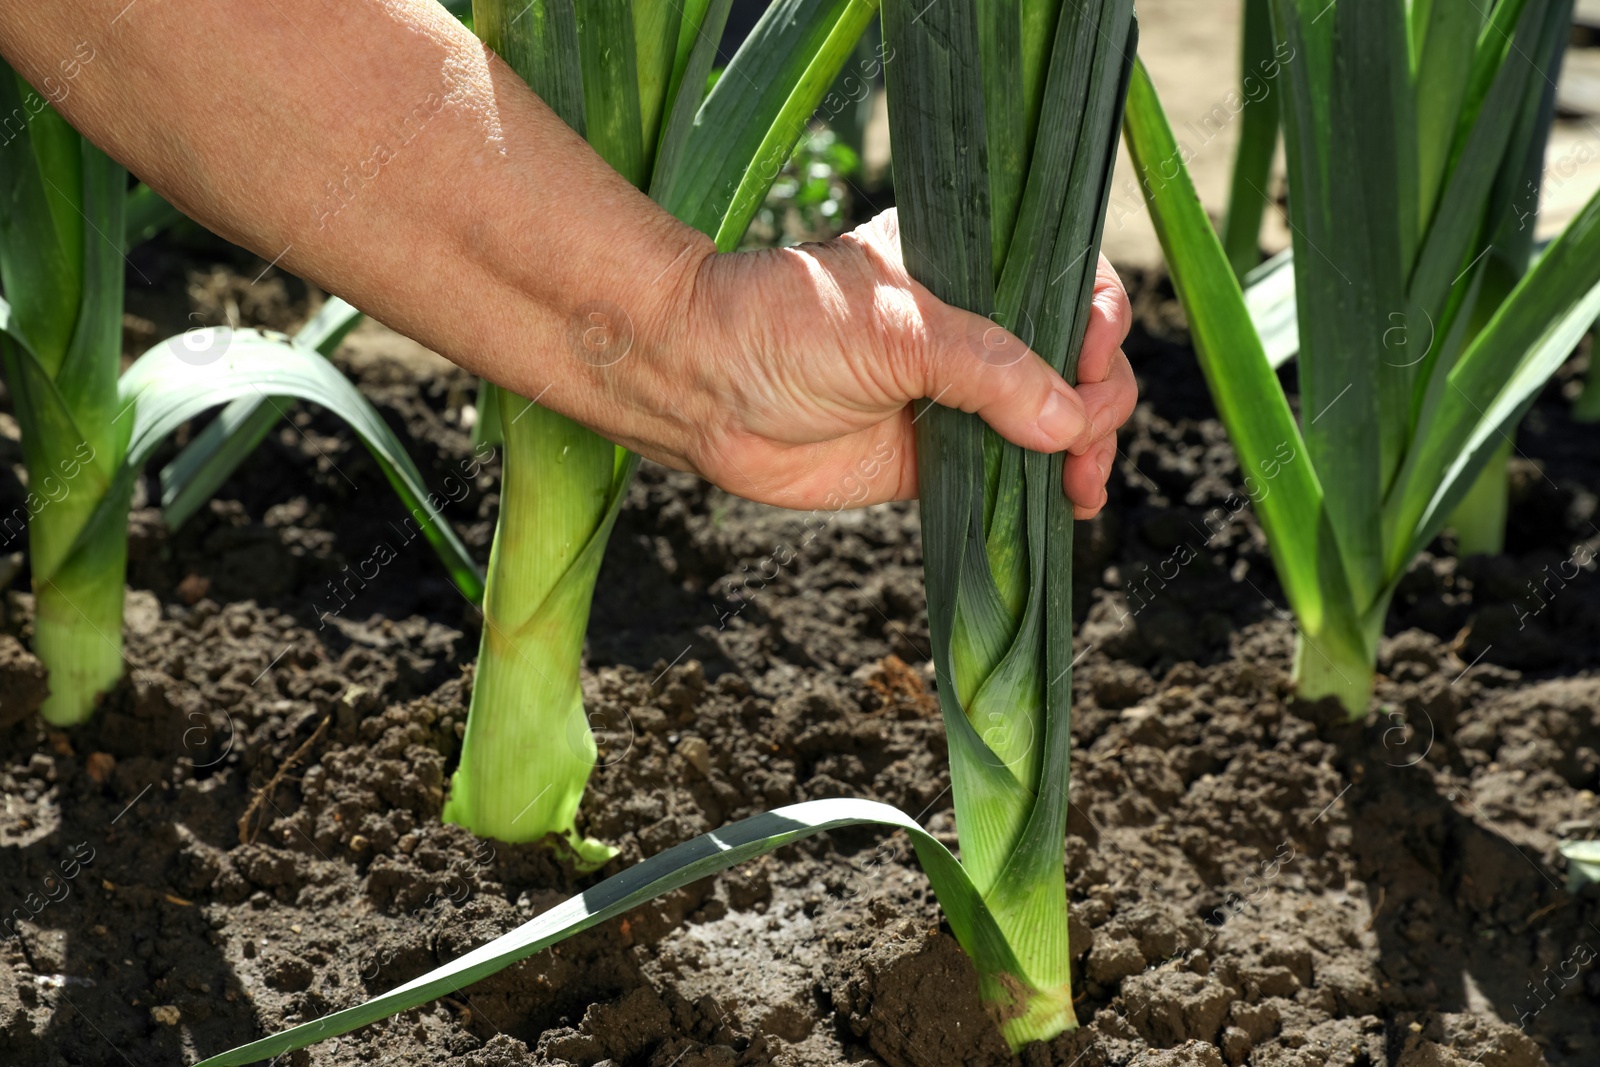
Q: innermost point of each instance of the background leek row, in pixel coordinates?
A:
(164, 390)
(207, 461)
(1412, 367)
(86, 433)
(244, 384)
(631, 77)
(1002, 165)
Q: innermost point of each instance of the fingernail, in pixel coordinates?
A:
(1061, 420)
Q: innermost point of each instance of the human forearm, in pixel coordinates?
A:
(374, 147)
(378, 150)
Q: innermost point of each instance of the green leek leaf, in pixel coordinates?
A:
(197, 472)
(1498, 376)
(1448, 36)
(677, 866)
(751, 120)
(186, 375)
(1282, 484)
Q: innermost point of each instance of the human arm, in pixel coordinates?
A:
(377, 149)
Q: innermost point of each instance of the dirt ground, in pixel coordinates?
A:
(1252, 880)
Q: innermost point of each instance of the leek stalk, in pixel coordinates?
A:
(527, 752)
(1001, 182)
(61, 225)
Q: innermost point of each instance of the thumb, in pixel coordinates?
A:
(971, 363)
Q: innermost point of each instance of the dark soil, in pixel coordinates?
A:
(1252, 881)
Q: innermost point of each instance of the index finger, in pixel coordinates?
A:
(1110, 320)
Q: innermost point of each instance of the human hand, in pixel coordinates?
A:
(801, 365)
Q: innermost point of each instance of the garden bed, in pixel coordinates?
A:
(251, 822)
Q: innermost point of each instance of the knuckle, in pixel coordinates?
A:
(907, 340)
(1111, 297)
(1012, 388)
(1127, 392)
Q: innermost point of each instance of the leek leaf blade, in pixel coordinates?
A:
(703, 22)
(1338, 302)
(1283, 486)
(1453, 243)
(167, 386)
(747, 126)
(1449, 39)
(612, 109)
(539, 41)
(677, 866)
(1499, 374)
(208, 461)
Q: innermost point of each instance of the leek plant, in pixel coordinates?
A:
(1012, 232)
(1413, 367)
(65, 216)
(1004, 120)
(630, 76)
(62, 353)
(1442, 43)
